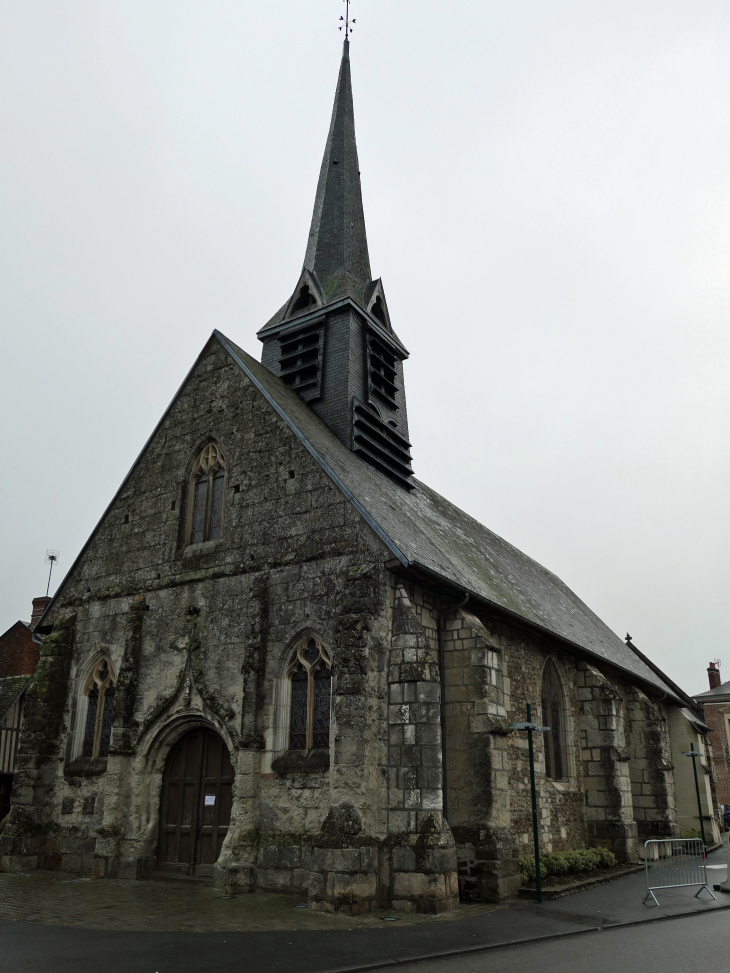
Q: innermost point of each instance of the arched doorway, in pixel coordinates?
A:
(195, 809)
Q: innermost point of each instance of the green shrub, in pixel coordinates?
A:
(690, 833)
(608, 859)
(584, 860)
(567, 862)
(556, 862)
(527, 868)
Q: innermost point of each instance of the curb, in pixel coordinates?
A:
(560, 891)
(489, 947)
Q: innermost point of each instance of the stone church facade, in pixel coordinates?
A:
(283, 663)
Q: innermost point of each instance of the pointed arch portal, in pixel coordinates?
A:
(195, 808)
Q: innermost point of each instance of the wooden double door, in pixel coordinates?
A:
(195, 809)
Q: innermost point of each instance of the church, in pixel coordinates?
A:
(281, 662)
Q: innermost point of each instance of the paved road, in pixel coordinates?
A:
(696, 945)
(128, 924)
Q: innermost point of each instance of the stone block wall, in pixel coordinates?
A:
(423, 859)
(650, 767)
(477, 754)
(605, 756)
(561, 809)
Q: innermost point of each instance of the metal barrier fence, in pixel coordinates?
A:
(675, 863)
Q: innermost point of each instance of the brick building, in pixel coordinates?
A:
(715, 705)
(283, 661)
(19, 653)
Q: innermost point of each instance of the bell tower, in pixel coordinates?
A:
(333, 341)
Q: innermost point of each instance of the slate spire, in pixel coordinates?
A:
(337, 251)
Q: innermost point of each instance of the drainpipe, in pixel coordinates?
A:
(442, 676)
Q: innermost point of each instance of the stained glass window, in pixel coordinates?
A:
(207, 495)
(90, 728)
(200, 497)
(298, 725)
(322, 696)
(310, 675)
(100, 691)
(106, 721)
(216, 506)
(553, 716)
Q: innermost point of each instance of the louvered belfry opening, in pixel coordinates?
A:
(382, 370)
(300, 359)
(381, 445)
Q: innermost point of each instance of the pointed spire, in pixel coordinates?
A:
(337, 252)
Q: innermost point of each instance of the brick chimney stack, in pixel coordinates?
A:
(714, 675)
(39, 606)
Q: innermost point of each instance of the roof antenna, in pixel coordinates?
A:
(51, 558)
(346, 21)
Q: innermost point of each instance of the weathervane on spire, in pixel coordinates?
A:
(346, 20)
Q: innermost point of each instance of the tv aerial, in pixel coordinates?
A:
(51, 558)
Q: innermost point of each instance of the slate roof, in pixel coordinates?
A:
(719, 691)
(337, 248)
(424, 530)
(10, 688)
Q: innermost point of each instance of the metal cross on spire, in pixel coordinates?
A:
(346, 22)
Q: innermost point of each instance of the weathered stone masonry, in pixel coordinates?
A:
(431, 635)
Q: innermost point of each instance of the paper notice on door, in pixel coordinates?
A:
(209, 799)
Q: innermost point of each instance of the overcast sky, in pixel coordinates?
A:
(547, 194)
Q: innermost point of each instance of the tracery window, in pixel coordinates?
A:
(553, 715)
(100, 689)
(310, 674)
(207, 491)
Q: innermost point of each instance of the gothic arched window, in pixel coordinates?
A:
(207, 490)
(100, 689)
(553, 716)
(310, 674)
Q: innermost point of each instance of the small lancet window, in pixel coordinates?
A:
(553, 716)
(304, 300)
(310, 674)
(207, 491)
(378, 311)
(100, 689)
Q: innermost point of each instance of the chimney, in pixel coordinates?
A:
(712, 671)
(39, 606)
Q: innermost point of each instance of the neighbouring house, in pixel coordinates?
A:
(284, 662)
(19, 653)
(715, 705)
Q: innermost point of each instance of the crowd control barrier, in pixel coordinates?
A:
(675, 863)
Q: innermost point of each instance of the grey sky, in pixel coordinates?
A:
(547, 192)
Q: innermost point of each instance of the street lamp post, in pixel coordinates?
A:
(533, 728)
(694, 754)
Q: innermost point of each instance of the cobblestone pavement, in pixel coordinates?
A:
(154, 906)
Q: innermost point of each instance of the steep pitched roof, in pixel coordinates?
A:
(337, 249)
(424, 530)
(714, 695)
